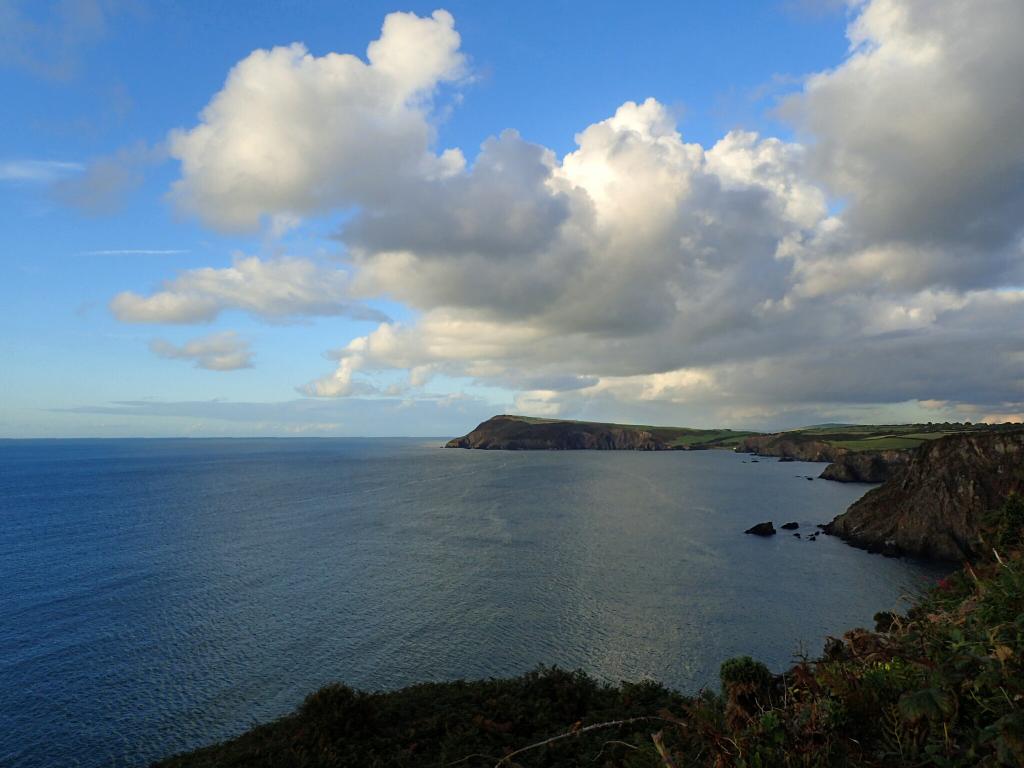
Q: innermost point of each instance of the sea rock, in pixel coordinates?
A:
(786, 459)
(936, 505)
(762, 529)
(790, 526)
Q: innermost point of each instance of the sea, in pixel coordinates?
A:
(159, 595)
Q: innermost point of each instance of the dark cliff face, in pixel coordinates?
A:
(936, 507)
(866, 466)
(790, 447)
(846, 466)
(515, 434)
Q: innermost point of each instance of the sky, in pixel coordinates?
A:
(362, 219)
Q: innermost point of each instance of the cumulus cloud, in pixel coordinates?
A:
(275, 289)
(224, 351)
(292, 134)
(918, 132)
(871, 263)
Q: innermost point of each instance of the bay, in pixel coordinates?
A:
(158, 595)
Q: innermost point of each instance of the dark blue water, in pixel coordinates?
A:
(156, 595)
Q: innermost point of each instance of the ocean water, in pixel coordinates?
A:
(157, 595)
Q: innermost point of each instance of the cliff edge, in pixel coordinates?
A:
(936, 507)
(846, 465)
(514, 433)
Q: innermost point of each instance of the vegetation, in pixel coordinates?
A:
(674, 436)
(885, 437)
(941, 686)
(511, 432)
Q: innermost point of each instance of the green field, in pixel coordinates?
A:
(851, 437)
(675, 437)
(887, 437)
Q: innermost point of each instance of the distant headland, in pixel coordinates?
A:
(525, 433)
(855, 453)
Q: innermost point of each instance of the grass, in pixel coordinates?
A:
(853, 437)
(884, 437)
(674, 437)
(880, 443)
(940, 686)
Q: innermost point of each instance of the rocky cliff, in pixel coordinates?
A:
(937, 505)
(866, 466)
(846, 466)
(790, 445)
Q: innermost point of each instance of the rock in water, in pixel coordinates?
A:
(762, 529)
(790, 526)
(935, 507)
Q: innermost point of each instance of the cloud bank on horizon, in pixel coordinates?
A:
(876, 260)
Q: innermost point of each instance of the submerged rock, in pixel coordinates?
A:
(762, 529)
(790, 526)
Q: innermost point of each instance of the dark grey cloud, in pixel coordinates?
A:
(501, 209)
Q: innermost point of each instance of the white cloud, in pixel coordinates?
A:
(919, 132)
(37, 171)
(274, 289)
(293, 134)
(224, 351)
(871, 263)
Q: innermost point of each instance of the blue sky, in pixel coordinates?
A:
(87, 165)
